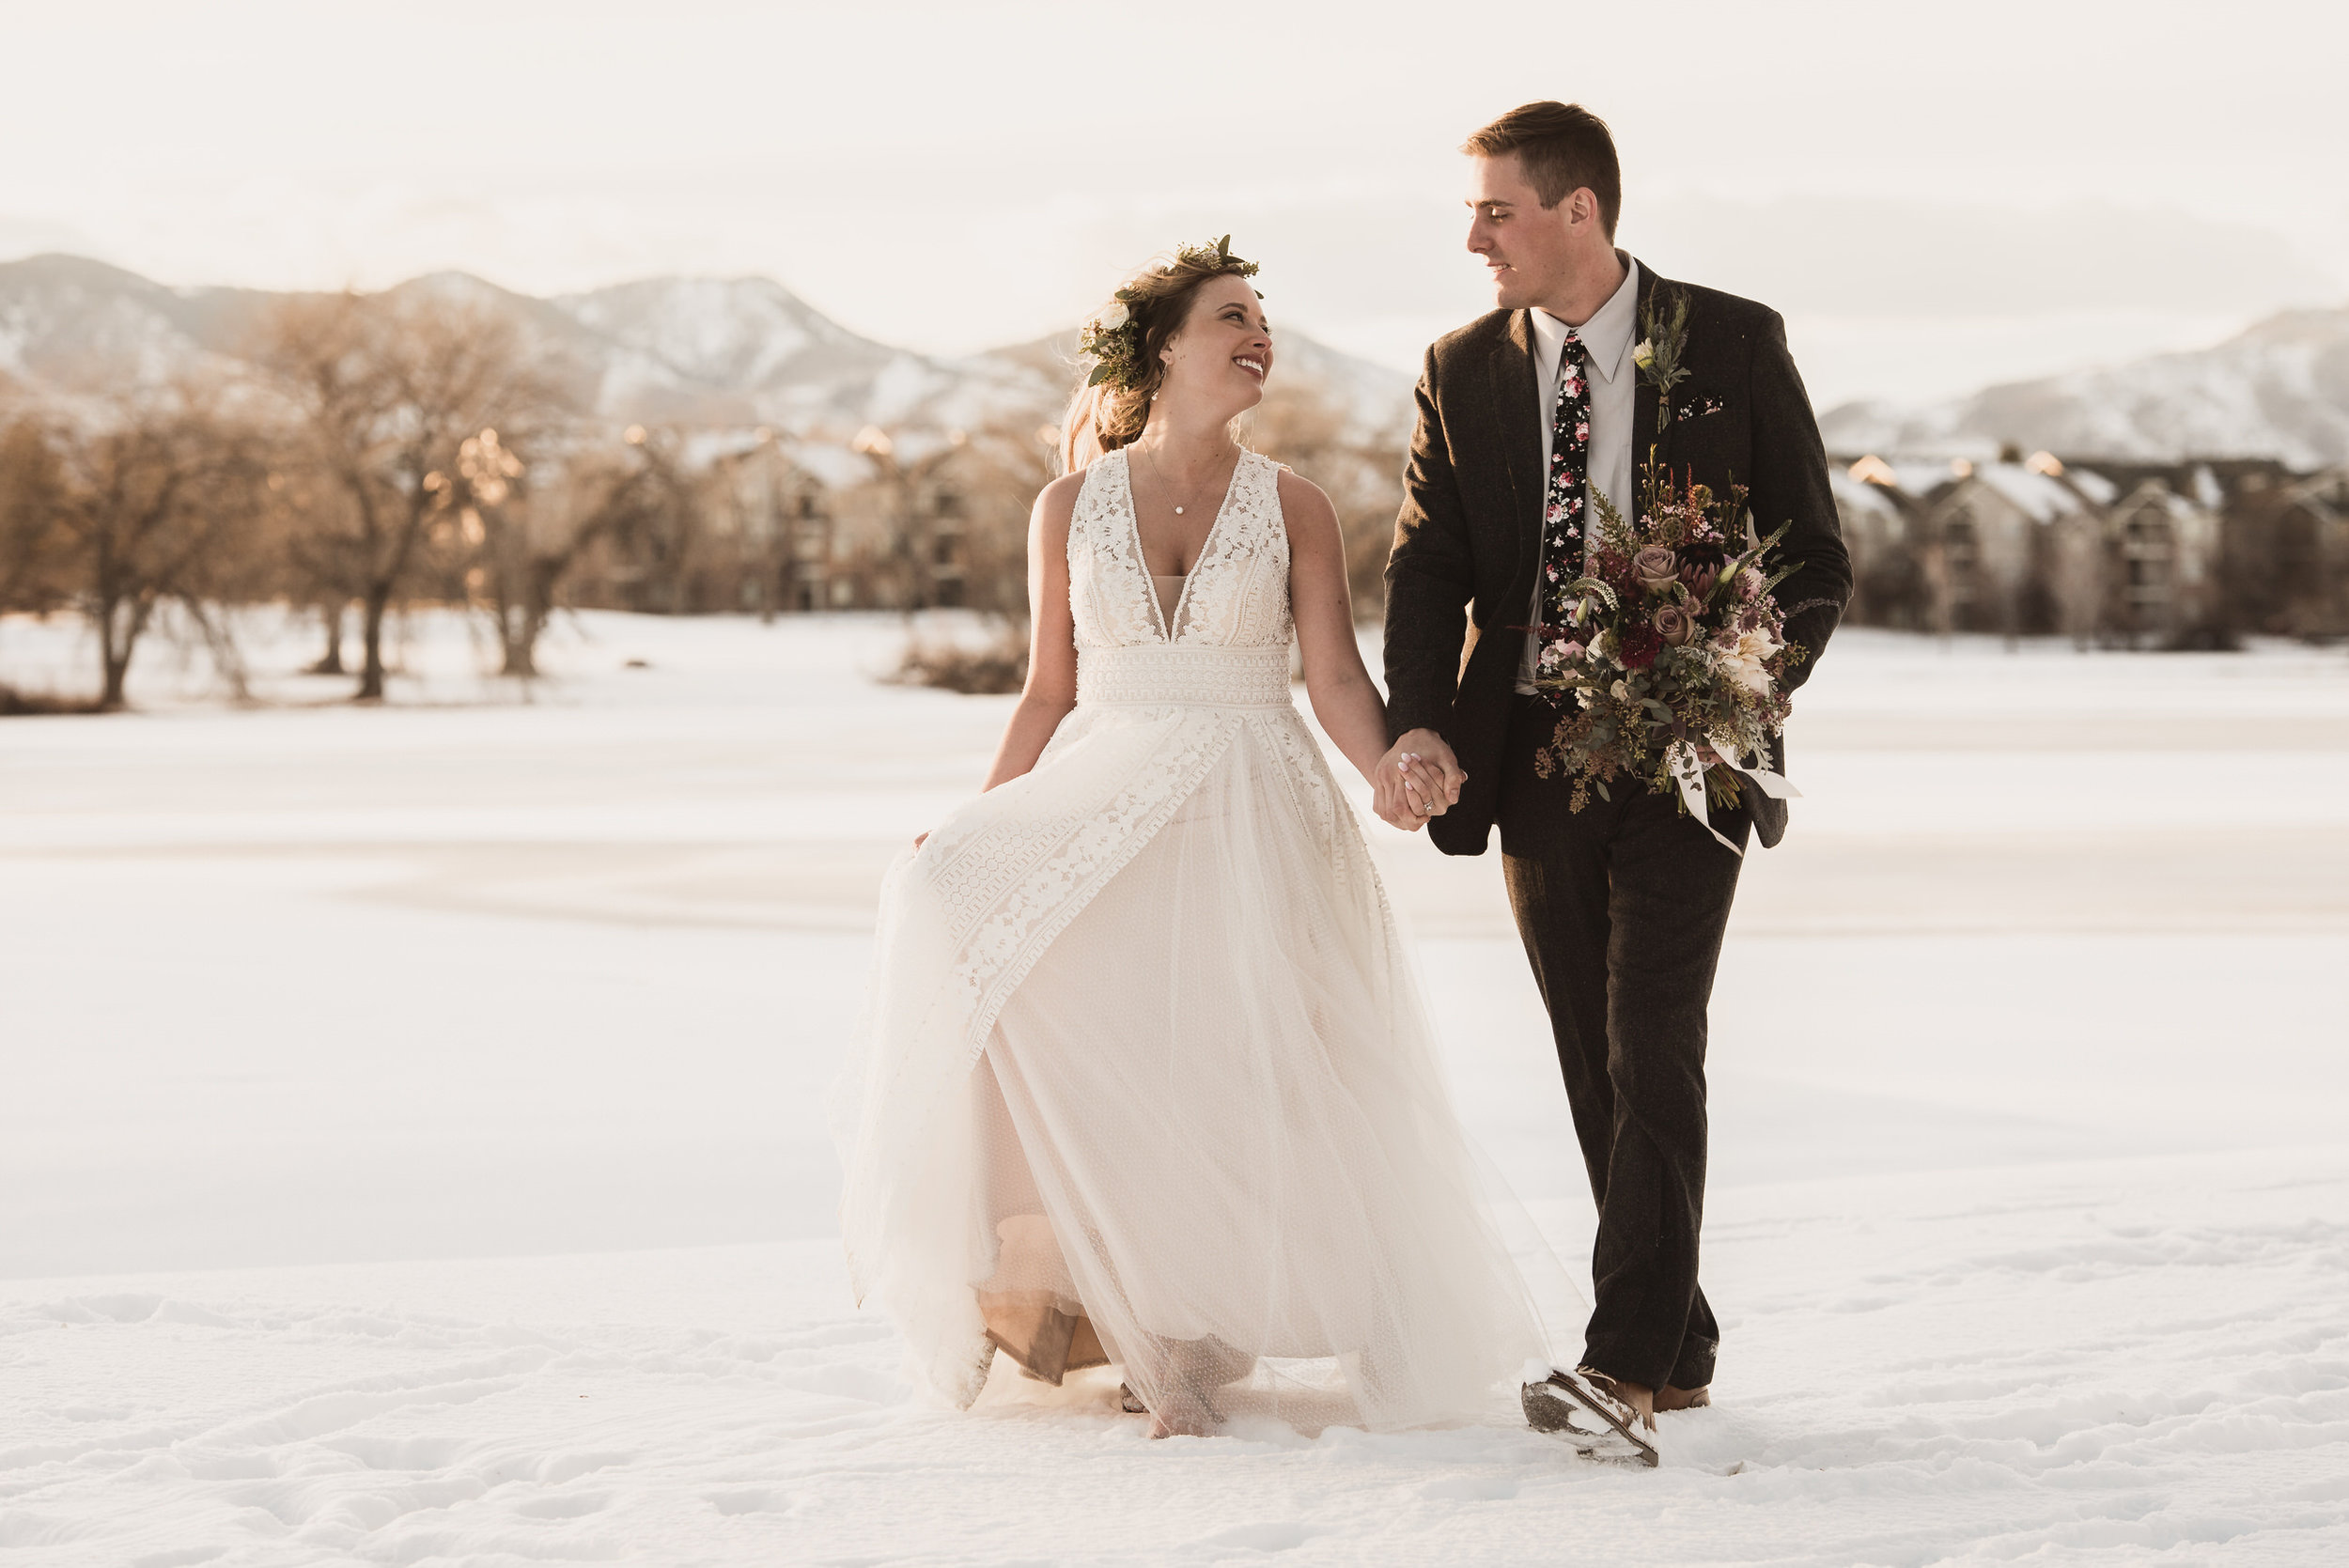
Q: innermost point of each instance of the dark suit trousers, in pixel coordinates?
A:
(1621, 906)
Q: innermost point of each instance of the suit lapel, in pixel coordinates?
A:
(1517, 414)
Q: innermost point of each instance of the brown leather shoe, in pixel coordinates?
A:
(1668, 1398)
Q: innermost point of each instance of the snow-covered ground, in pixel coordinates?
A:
(411, 1148)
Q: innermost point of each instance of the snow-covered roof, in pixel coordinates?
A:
(2038, 496)
(914, 445)
(2098, 489)
(2155, 493)
(835, 466)
(1920, 475)
(700, 448)
(1858, 494)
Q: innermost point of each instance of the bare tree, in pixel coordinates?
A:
(31, 542)
(534, 524)
(959, 520)
(1360, 467)
(390, 386)
(653, 531)
(159, 503)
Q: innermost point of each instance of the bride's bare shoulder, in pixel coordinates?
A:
(1056, 502)
(1304, 504)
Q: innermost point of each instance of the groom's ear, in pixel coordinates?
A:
(1562, 148)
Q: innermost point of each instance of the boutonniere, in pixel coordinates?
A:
(1663, 337)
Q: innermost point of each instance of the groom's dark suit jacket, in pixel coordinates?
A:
(1460, 579)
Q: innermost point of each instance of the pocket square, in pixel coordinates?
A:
(1697, 405)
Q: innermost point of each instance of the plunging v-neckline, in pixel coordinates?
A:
(1165, 623)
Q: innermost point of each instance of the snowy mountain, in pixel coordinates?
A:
(2278, 390)
(75, 325)
(711, 352)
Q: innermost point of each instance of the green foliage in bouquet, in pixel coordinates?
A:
(1674, 634)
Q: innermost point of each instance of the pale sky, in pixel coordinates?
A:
(1935, 195)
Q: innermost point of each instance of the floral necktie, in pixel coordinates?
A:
(1563, 507)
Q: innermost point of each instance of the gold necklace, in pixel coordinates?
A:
(1164, 488)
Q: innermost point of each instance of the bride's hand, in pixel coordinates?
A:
(1417, 779)
(1400, 796)
(1436, 773)
(1393, 808)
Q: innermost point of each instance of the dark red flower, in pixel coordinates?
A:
(1640, 648)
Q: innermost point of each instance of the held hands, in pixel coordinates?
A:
(1417, 779)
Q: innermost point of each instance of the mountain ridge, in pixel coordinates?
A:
(745, 349)
(2277, 389)
(702, 351)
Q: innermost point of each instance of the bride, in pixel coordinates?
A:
(1146, 1080)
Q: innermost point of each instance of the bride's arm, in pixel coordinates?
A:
(1336, 683)
(1052, 689)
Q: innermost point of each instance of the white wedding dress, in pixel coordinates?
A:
(1145, 1079)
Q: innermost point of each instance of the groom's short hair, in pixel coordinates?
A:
(1564, 147)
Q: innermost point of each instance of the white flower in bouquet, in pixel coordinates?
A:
(1748, 661)
(1113, 318)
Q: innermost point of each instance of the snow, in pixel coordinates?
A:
(414, 1151)
(2035, 495)
(835, 466)
(2273, 391)
(1858, 495)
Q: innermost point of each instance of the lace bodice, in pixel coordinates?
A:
(1238, 595)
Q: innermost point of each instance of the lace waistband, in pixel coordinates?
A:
(1180, 675)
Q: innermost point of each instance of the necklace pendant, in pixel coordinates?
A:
(1178, 511)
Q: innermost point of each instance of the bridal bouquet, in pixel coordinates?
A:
(1674, 643)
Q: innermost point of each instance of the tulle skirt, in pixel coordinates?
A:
(1147, 1080)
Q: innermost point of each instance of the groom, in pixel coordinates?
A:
(1523, 416)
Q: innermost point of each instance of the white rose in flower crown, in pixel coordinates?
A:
(1113, 318)
(1748, 663)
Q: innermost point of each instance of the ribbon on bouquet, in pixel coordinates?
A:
(1680, 758)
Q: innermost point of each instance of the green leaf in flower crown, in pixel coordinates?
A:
(1100, 374)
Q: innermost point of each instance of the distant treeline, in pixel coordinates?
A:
(386, 451)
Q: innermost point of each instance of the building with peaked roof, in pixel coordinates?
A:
(1880, 521)
(2035, 546)
(2013, 548)
(2286, 555)
(2162, 583)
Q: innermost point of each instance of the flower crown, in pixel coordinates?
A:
(1113, 340)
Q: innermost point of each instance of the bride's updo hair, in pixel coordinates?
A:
(1121, 346)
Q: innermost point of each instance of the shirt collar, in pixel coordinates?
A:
(1607, 336)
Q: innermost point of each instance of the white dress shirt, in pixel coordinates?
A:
(1606, 336)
